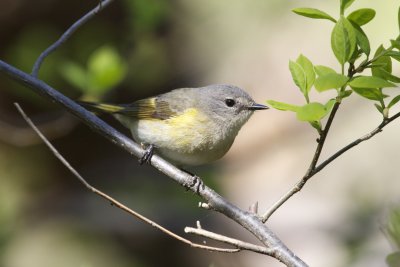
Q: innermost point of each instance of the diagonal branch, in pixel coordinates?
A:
(102, 4)
(112, 200)
(248, 220)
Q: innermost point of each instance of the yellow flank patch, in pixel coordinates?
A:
(187, 128)
(189, 117)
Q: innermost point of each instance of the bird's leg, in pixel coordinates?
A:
(146, 158)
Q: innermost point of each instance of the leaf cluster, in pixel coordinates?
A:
(105, 69)
(351, 47)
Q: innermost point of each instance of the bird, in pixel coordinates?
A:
(186, 126)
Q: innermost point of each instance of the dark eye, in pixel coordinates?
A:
(230, 102)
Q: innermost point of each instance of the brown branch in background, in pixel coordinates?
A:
(112, 200)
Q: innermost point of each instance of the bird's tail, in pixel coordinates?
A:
(100, 107)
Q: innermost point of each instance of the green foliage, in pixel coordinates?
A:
(314, 112)
(104, 70)
(370, 82)
(330, 81)
(313, 13)
(303, 74)
(362, 39)
(282, 106)
(352, 49)
(361, 16)
(393, 231)
(344, 4)
(343, 40)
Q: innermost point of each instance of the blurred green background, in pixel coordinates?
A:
(138, 48)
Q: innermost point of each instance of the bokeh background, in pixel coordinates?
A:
(138, 48)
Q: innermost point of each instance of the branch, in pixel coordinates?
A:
(248, 220)
(228, 240)
(310, 171)
(321, 166)
(102, 4)
(112, 200)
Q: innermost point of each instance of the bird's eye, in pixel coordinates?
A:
(230, 102)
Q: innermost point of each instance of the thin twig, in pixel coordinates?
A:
(321, 166)
(299, 185)
(112, 200)
(36, 67)
(228, 240)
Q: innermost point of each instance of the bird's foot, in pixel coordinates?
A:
(146, 158)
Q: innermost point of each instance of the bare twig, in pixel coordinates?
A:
(310, 171)
(321, 166)
(112, 200)
(228, 240)
(36, 67)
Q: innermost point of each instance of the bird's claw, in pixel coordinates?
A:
(146, 158)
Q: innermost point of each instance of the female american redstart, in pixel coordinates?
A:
(187, 126)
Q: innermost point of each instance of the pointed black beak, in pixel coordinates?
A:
(257, 107)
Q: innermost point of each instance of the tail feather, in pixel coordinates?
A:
(101, 108)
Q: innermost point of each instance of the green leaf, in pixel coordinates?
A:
(385, 61)
(362, 39)
(386, 75)
(370, 93)
(393, 259)
(344, 4)
(311, 112)
(323, 70)
(308, 68)
(362, 16)
(74, 74)
(299, 76)
(329, 105)
(330, 81)
(395, 44)
(370, 82)
(106, 69)
(392, 103)
(282, 106)
(379, 108)
(313, 13)
(343, 40)
(345, 93)
(393, 226)
(398, 18)
(393, 54)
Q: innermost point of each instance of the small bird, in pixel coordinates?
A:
(187, 126)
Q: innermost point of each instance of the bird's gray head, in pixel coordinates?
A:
(227, 104)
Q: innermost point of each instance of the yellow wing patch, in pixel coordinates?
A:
(149, 108)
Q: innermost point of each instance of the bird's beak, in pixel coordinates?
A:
(257, 107)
